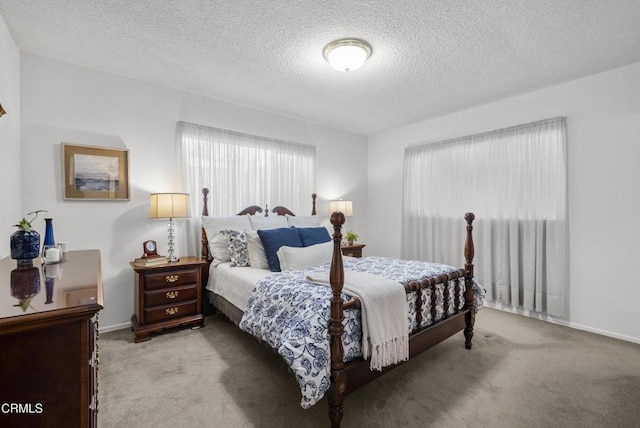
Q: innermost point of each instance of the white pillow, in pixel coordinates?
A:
(257, 255)
(213, 225)
(303, 220)
(259, 222)
(219, 248)
(294, 258)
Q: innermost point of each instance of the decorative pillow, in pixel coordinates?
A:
(292, 258)
(237, 247)
(273, 239)
(219, 248)
(259, 222)
(302, 220)
(313, 235)
(213, 225)
(257, 256)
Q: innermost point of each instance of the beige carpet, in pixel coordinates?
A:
(520, 373)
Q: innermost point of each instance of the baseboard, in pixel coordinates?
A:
(492, 305)
(108, 328)
(551, 319)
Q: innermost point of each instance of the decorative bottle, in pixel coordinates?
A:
(48, 233)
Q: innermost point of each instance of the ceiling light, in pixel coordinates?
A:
(347, 54)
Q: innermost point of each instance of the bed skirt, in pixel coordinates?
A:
(227, 309)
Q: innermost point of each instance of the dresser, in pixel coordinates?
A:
(49, 341)
(166, 296)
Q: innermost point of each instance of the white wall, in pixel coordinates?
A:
(65, 103)
(603, 118)
(10, 192)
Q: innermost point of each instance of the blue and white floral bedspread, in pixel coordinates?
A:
(292, 316)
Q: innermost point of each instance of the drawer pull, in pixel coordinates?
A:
(172, 311)
(172, 278)
(172, 294)
(349, 254)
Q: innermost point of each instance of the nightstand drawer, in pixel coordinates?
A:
(169, 296)
(172, 278)
(168, 312)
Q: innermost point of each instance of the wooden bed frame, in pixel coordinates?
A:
(348, 377)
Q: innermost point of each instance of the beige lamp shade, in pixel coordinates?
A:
(345, 207)
(169, 205)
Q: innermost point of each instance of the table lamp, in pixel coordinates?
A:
(345, 207)
(169, 205)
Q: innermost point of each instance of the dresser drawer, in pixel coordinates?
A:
(169, 296)
(172, 278)
(168, 312)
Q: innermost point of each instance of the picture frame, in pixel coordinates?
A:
(95, 173)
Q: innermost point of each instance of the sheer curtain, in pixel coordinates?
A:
(240, 170)
(515, 181)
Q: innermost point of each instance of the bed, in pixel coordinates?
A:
(438, 302)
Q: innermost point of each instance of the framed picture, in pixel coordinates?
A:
(95, 173)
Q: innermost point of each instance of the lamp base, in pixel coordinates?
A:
(171, 256)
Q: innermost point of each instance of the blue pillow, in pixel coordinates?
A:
(273, 239)
(313, 235)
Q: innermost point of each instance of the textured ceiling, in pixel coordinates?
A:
(430, 57)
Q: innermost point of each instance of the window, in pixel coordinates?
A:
(241, 169)
(514, 180)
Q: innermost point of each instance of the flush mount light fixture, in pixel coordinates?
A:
(347, 54)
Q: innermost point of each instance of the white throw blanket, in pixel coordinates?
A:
(385, 326)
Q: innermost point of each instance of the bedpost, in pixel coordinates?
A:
(469, 252)
(204, 252)
(205, 200)
(336, 278)
(313, 206)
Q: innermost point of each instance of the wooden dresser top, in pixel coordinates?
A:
(42, 293)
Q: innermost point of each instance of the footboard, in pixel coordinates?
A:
(348, 377)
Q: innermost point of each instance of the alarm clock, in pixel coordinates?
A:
(149, 249)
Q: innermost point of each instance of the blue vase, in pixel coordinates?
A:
(25, 246)
(48, 232)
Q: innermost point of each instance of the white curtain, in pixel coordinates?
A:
(241, 170)
(515, 181)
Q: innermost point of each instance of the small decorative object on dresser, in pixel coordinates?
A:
(25, 242)
(354, 250)
(167, 295)
(48, 232)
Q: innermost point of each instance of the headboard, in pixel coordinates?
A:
(251, 210)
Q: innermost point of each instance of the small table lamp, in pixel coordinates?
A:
(345, 207)
(169, 205)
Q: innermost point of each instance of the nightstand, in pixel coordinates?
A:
(167, 295)
(354, 250)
